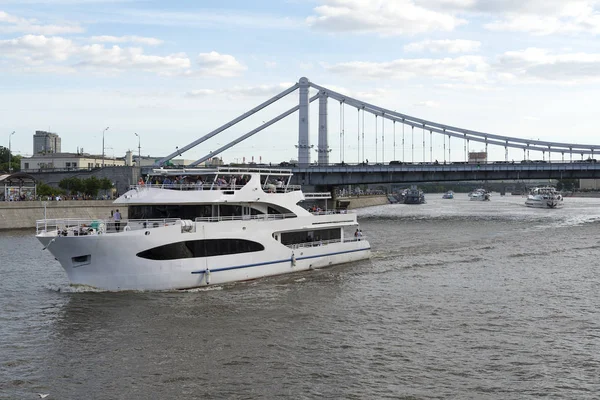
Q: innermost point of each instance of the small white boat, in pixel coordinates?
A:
(479, 195)
(544, 197)
(448, 195)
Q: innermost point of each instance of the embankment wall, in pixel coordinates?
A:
(365, 201)
(23, 214)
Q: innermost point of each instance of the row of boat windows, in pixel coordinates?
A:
(221, 247)
(201, 248)
(290, 238)
(194, 211)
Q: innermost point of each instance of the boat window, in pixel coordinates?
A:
(288, 238)
(169, 211)
(201, 248)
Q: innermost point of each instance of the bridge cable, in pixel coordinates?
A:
(403, 157)
(412, 142)
(382, 139)
(376, 145)
(394, 140)
(423, 142)
(363, 135)
(358, 133)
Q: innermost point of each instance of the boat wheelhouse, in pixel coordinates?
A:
(544, 197)
(187, 228)
(480, 195)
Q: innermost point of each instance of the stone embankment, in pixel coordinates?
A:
(23, 214)
(362, 201)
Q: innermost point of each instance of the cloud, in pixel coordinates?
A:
(127, 39)
(36, 49)
(270, 64)
(534, 65)
(56, 54)
(427, 103)
(243, 91)
(387, 18)
(10, 23)
(444, 46)
(119, 58)
(464, 68)
(215, 64)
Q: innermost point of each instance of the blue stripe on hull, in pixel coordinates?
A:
(278, 261)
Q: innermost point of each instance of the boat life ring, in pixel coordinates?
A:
(207, 275)
(127, 228)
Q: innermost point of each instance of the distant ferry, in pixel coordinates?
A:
(188, 228)
(544, 197)
(479, 195)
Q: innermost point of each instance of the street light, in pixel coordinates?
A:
(9, 151)
(105, 129)
(139, 150)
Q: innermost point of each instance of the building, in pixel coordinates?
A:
(477, 157)
(589, 184)
(46, 142)
(67, 161)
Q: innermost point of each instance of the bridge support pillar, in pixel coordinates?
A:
(303, 124)
(323, 148)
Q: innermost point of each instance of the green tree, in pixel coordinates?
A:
(15, 160)
(92, 185)
(73, 185)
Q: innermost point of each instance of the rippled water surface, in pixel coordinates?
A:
(461, 300)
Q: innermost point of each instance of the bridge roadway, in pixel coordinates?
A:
(352, 174)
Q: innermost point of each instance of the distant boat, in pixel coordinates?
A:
(448, 195)
(414, 196)
(544, 197)
(479, 195)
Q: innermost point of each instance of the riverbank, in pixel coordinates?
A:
(354, 202)
(23, 214)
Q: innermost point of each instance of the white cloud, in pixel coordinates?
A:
(427, 103)
(201, 93)
(10, 23)
(48, 54)
(444, 46)
(215, 64)
(270, 64)
(36, 49)
(243, 91)
(127, 39)
(464, 68)
(119, 58)
(534, 65)
(387, 18)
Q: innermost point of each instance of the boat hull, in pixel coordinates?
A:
(112, 262)
(544, 203)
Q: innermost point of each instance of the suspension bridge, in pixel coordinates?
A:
(558, 160)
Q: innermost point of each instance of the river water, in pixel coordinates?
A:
(461, 300)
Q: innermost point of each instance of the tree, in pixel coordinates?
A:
(72, 185)
(92, 185)
(15, 161)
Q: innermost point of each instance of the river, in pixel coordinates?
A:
(461, 300)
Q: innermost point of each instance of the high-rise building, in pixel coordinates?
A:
(46, 142)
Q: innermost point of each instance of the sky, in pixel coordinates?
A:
(174, 71)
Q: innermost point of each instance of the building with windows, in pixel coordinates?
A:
(46, 142)
(67, 162)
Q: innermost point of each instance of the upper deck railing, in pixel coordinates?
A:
(269, 188)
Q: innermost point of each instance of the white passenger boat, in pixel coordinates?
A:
(195, 227)
(544, 197)
(448, 195)
(479, 195)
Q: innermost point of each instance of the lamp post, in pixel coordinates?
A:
(139, 151)
(9, 151)
(105, 129)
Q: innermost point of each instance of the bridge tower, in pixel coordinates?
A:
(323, 148)
(303, 124)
